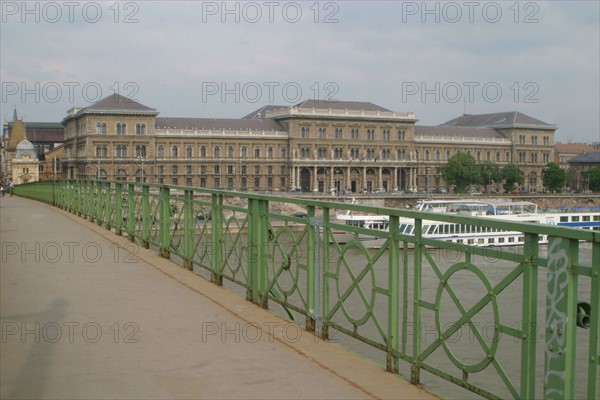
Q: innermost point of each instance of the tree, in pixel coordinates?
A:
(593, 176)
(488, 173)
(512, 177)
(554, 177)
(461, 171)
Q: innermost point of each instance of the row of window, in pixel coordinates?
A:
(338, 133)
(120, 151)
(216, 169)
(120, 128)
(534, 140)
(189, 152)
(533, 157)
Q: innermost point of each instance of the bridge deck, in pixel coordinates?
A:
(83, 317)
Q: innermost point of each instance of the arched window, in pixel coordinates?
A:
(257, 152)
(270, 152)
(161, 151)
(401, 154)
(321, 152)
(437, 155)
(354, 153)
(121, 151)
(244, 152)
(426, 154)
(174, 151)
(140, 129)
(217, 152)
(121, 128)
(282, 152)
(189, 152)
(478, 155)
(385, 154)
(448, 155)
(370, 153)
(140, 151)
(101, 151)
(498, 156)
(101, 127)
(230, 152)
(203, 152)
(121, 175)
(338, 153)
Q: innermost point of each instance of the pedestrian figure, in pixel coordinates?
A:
(11, 186)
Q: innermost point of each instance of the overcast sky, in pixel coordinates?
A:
(224, 60)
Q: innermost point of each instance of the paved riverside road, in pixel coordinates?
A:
(83, 317)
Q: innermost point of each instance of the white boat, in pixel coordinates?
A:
(519, 211)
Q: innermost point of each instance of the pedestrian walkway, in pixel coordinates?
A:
(87, 315)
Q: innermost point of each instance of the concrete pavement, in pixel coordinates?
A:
(86, 314)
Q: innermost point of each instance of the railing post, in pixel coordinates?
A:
(90, 209)
(188, 229)
(165, 222)
(312, 258)
(415, 377)
(131, 212)
(108, 209)
(146, 217)
(594, 349)
(99, 201)
(529, 316)
(257, 254)
(217, 239)
(324, 291)
(118, 207)
(561, 317)
(394, 295)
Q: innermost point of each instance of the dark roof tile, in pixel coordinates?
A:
(586, 158)
(341, 105)
(457, 131)
(497, 120)
(254, 124)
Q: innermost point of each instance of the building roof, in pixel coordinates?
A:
(113, 104)
(586, 158)
(574, 148)
(457, 131)
(261, 112)
(250, 124)
(511, 119)
(116, 102)
(341, 105)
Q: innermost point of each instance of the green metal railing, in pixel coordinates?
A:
(532, 313)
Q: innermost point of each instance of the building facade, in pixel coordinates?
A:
(314, 146)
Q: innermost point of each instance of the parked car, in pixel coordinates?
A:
(299, 214)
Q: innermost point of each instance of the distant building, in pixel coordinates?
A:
(563, 152)
(578, 166)
(44, 136)
(315, 146)
(25, 164)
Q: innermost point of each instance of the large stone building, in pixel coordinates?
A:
(315, 146)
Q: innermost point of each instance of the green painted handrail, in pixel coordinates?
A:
(382, 298)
